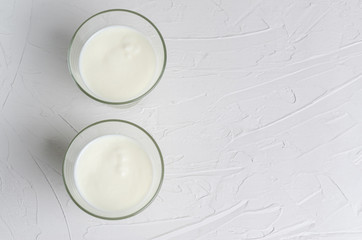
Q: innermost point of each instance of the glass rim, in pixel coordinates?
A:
(142, 95)
(159, 184)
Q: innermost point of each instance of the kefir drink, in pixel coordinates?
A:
(118, 64)
(113, 173)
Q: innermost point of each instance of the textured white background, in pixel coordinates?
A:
(258, 117)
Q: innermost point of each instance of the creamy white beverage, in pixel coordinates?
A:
(113, 173)
(118, 64)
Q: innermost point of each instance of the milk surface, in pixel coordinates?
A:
(113, 173)
(118, 64)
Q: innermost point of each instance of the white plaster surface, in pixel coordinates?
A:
(258, 116)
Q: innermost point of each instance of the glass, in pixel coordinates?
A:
(116, 17)
(111, 127)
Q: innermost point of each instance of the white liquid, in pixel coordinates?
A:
(118, 63)
(113, 173)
